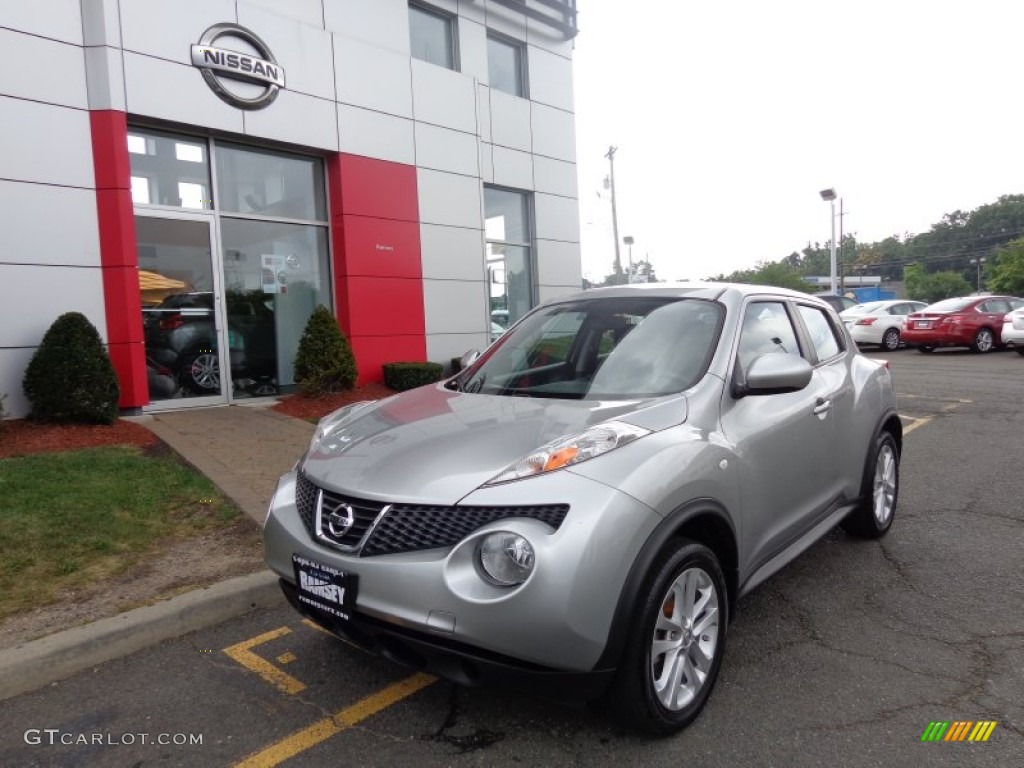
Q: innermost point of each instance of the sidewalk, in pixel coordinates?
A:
(243, 450)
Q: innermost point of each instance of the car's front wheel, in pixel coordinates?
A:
(891, 339)
(676, 641)
(880, 491)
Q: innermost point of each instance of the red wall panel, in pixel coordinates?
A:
(377, 188)
(382, 247)
(372, 352)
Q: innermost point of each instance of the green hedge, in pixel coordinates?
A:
(403, 376)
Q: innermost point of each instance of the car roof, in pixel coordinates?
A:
(694, 290)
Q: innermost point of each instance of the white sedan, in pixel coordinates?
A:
(1013, 330)
(879, 322)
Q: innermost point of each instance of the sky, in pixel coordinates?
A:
(730, 117)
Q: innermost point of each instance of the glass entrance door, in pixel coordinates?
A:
(181, 318)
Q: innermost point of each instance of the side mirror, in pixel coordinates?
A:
(775, 373)
(468, 359)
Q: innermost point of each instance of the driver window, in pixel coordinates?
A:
(766, 329)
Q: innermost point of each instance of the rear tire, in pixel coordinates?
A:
(1020, 350)
(676, 642)
(879, 491)
(891, 340)
(199, 372)
(984, 341)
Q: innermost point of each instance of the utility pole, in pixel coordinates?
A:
(615, 218)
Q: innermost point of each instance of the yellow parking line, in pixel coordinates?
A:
(324, 729)
(917, 423)
(242, 653)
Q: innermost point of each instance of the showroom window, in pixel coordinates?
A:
(169, 170)
(506, 65)
(509, 234)
(432, 36)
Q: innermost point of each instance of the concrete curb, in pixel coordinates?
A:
(55, 657)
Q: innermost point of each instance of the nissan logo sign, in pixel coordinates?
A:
(219, 64)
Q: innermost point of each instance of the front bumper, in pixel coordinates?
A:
(558, 621)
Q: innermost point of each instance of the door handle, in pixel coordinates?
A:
(821, 406)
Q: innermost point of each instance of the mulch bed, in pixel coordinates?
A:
(20, 437)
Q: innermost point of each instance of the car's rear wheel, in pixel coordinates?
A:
(200, 372)
(891, 339)
(926, 348)
(983, 341)
(880, 491)
(676, 641)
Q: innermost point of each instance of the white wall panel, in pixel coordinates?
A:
(446, 198)
(558, 264)
(47, 144)
(176, 92)
(308, 12)
(473, 49)
(443, 97)
(104, 72)
(42, 294)
(303, 51)
(454, 306)
(375, 134)
(554, 133)
(442, 149)
(101, 22)
(452, 253)
(505, 20)
(486, 163)
(558, 218)
(510, 121)
(513, 168)
(13, 363)
(483, 112)
(296, 118)
(29, 210)
(442, 347)
(168, 30)
(383, 23)
(549, 38)
(62, 79)
(550, 78)
(372, 78)
(56, 19)
(555, 176)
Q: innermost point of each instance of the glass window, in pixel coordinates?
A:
(509, 252)
(432, 36)
(766, 329)
(270, 183)
(505, 65)
(823, 335)
(167, 169)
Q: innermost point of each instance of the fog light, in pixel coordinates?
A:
(505, 558)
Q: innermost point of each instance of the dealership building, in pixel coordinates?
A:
(197, 177)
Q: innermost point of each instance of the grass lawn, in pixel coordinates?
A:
(71, 518)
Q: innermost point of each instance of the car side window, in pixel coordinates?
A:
(766, 328)
(823, 335)
(995, 306)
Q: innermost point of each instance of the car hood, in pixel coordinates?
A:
(433, 445)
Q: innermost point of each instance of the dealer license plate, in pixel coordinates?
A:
(325, 588)
(923, 324)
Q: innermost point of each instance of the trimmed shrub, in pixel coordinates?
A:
(324, 361)
(3, 411)
(403, 376)
(69, 378)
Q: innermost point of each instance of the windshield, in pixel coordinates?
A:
(949, 305)
(602, 349)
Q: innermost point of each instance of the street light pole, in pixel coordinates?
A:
(979, 261)
(830, 196)
(628, 240)
(615, 218)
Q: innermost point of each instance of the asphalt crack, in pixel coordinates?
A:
(481, 738)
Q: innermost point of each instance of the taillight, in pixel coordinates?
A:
(170, 322)
(866, 321)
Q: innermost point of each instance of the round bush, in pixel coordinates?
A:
(69, 378)
(324, 361)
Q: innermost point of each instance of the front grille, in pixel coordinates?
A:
(408, 528)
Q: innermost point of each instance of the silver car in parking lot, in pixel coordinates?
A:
(580, 509)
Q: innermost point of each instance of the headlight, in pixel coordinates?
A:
(505, 558)
(567, 451)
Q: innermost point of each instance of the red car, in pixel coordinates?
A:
(970, 321)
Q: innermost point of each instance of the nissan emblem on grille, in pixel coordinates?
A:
(340, 520)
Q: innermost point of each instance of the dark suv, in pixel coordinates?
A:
(180, 336)
(838, 303)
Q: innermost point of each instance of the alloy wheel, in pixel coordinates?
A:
(685, 638)
(884, 491)
(204, 371)
(891, 339)
(984, 341)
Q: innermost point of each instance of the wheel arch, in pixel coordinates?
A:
(702, 520)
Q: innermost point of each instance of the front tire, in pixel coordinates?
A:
(891, 340)
(676, 641)
(880, 491)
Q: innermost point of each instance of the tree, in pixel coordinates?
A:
(1006, 274)
(70, 378)
(776, 273)
(324, 361)
(935, 286)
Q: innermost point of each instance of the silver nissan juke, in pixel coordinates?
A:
(580, 508)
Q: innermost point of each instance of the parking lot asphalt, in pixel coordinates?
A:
(843, 658)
